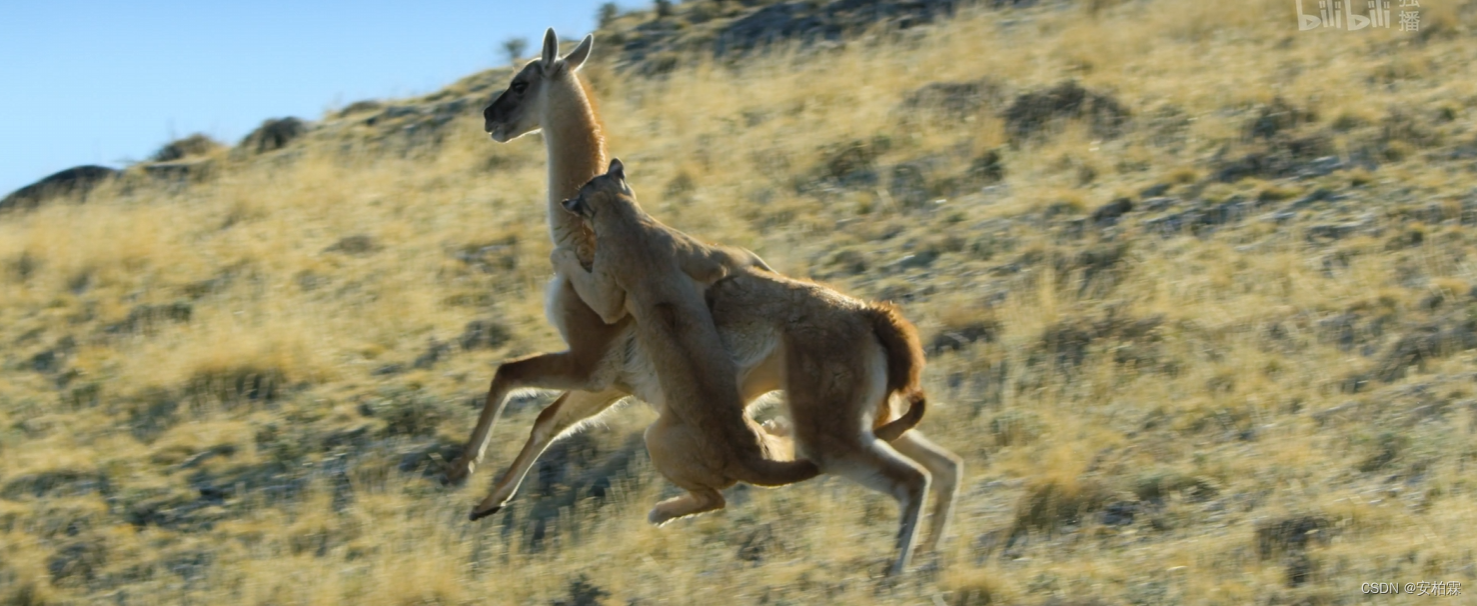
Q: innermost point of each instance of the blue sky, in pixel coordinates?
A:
(106, 82)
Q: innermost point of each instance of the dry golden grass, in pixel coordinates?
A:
(211, 393)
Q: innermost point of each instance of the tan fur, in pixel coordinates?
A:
(759, 319)
(702, 441)
(904, 366)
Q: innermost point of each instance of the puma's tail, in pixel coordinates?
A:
(904, 365)
(769, 472)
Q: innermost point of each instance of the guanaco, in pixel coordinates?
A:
(604, 363)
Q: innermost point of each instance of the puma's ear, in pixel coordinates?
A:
(578, 207)
(616, 169)
(551, 48)
(577, 57)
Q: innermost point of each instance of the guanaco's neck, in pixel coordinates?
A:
(576, 148)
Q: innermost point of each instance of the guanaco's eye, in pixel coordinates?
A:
(519, 87)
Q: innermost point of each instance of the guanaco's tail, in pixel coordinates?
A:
(904, 366)
(900, 425)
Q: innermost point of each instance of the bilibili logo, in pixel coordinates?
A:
(1339, 14)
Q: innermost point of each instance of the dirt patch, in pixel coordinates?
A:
(1277, 117)
(150, 318)
(1292, 534)
(952, 101)
(1050, 505)
(357, 245)
(964, 336)
(54, 484)
(1422, 345)
(1031, 113)
(1067, 343)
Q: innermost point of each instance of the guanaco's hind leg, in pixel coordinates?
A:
(879, 467)
(569, 410)
(946, 469)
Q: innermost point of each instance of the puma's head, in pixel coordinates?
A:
(518, 110)
(604, 192)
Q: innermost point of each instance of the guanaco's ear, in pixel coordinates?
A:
(577, 57)
(551, 48)
(616, 169)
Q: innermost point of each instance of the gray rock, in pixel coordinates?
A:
(908, 186)
(357, 245)
(1120, 513)
(1276, 117)
(811, 24)
(437, 351)
(1321, 166)
(1292, 534)
(77, 562)
(52, 484)
(197, 144)
(147, 318)
(484, 334)
(1281, 156)
(1158, 204)
(1333, 231)
(181, 171)
(1155, 190)
(1108, 214)
(1279, 217)
(1318, 195)
(916, 261)
(956, 339)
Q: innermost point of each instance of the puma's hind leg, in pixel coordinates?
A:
(680, 454)
(692, 503)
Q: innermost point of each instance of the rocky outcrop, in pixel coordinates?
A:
(272, 135)
(75, 181)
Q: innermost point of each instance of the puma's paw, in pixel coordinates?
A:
(565, 258)
(659, 517)
(779, 427)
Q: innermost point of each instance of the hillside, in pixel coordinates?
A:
(1197, 289)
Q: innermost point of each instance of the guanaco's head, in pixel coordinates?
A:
(518, 110)
(605, 193)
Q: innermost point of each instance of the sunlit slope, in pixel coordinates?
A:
(1197, 290)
